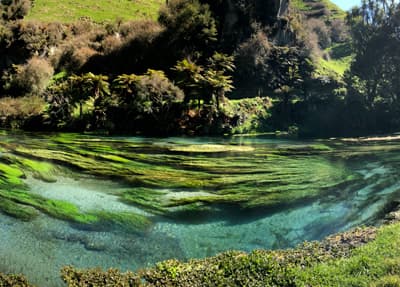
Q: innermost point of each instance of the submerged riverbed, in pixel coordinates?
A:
(130, 202)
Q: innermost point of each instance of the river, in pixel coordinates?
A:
(129, 202)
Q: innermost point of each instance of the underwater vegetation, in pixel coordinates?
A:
(167, 177)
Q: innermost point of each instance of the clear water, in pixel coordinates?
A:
(39, 248)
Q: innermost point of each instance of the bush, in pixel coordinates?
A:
(190, 27)
(15, 9)
(150, 98)
(73, 57)
(14, 112)
(387, 281)
(321, 29)
(13, 281)
(97, 277)
(251, 58)
(137, 29)
(32, 78)
(339, 31)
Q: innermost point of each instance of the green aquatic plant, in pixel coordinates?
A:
(125, 220)
(164, 177)
(168, 177)
(10, 174)
(16, 210)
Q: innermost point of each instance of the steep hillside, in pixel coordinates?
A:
(326, 20)
(319, 8)
(96, 10)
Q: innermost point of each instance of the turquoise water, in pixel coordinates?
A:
(40, 247)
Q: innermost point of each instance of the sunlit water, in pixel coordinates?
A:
(40, 248)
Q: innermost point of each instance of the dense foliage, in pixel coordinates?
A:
(179, 73)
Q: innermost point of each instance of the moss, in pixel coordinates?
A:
(11, 174)
(16, 210)
(146, 198)
(65, 211)
(12, 280)
(387, 281)
(98, 277)
(224, 173)
(40, 170)
(126, 220)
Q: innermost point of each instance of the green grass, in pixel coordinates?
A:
(375, 264)
(340, 60)
(337, 67)
(336, 12)
(98, 11)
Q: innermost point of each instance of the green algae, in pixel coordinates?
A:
(44, 171)
(127, 220)
(145, 198)
(270, 177)
(25, 213)
(10, 174)
(164, 177)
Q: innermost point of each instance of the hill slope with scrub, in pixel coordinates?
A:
(288, 66)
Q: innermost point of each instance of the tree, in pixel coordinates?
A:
(217, 79)
(375, 30)
(88, 86)
(190, 27)
(60, 104)
(98, 89)
(189, 78)
(149, 98)
(206, 84)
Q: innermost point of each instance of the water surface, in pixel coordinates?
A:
(189, 197)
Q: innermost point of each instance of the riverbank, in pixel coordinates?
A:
(360, 257)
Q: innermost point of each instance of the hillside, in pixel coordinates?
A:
(319, 8)
(325, 18)
(98, 11)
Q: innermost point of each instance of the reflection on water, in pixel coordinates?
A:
(259, 213)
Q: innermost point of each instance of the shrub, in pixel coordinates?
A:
(72, 57)
(29, 79)
(135, 29)
(321, 29)
(339, 31)
(14, 112)
(13, 281)
(387, 281)
(15, 9)
(33, 77)
(150, 97)
(251, 58)
(97, 277)
(190, 26)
